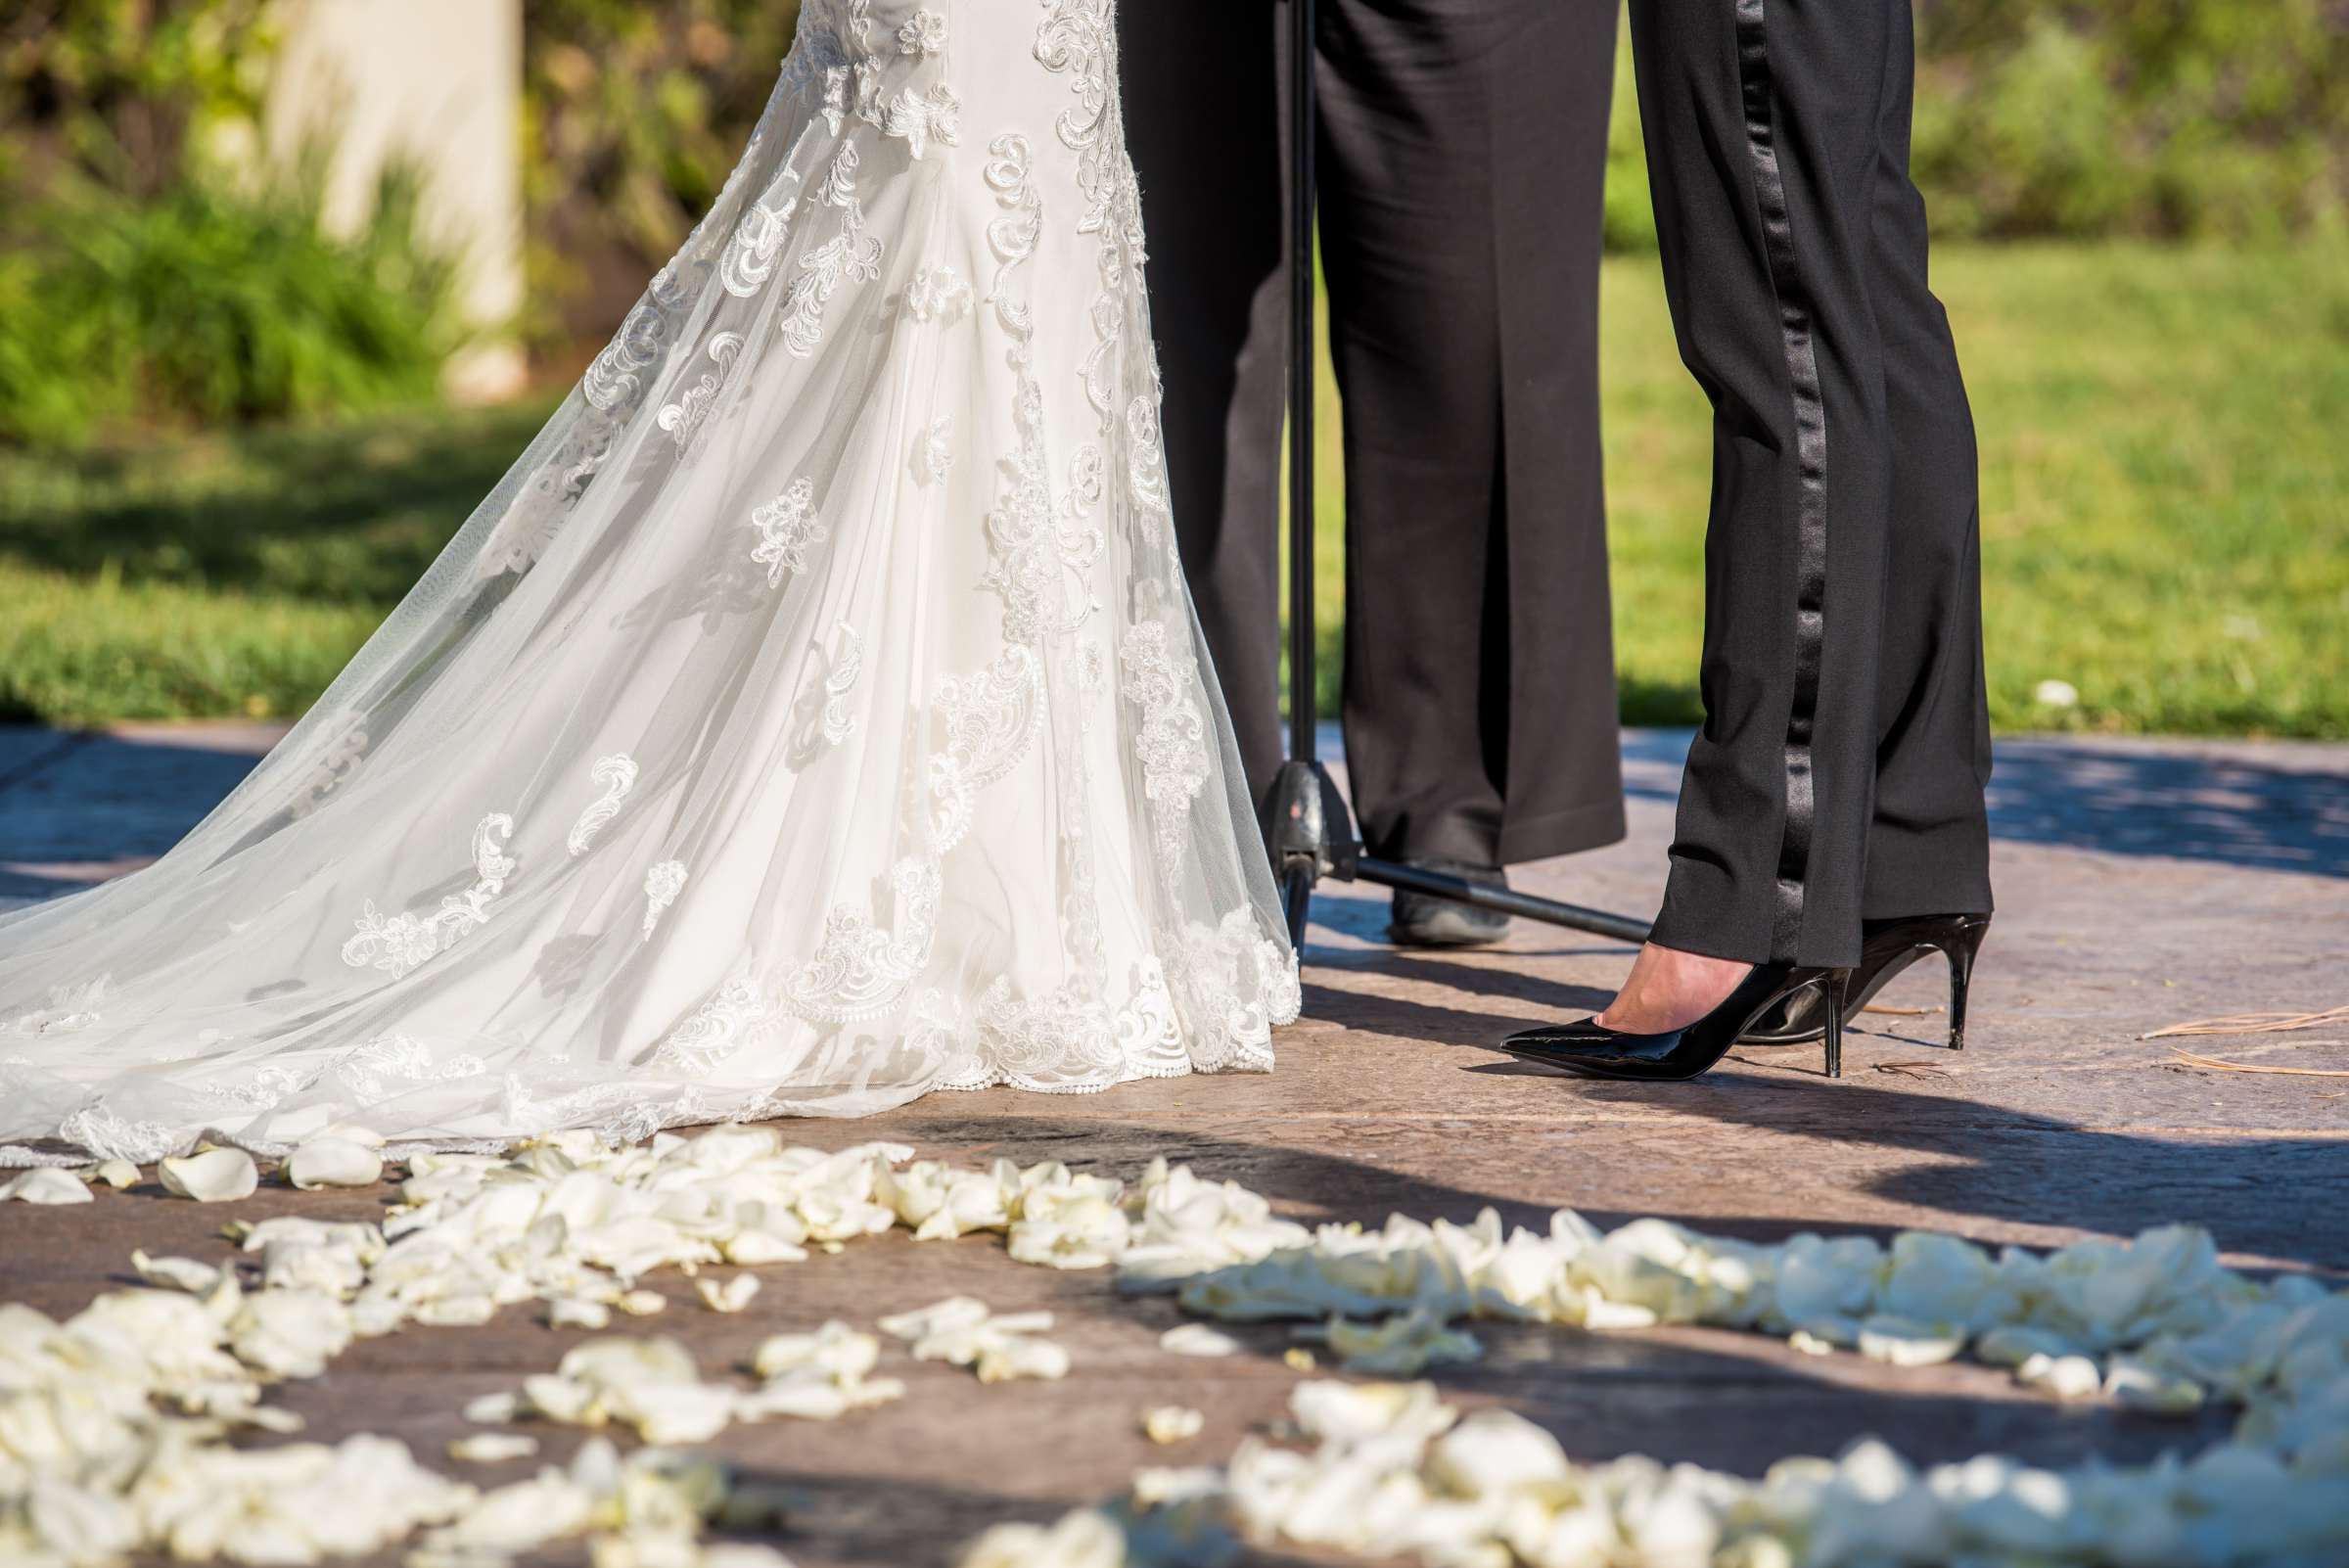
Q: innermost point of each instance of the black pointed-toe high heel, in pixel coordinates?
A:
(1590, 1049)
(1886, 947)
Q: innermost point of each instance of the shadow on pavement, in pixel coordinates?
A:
(2240, 808)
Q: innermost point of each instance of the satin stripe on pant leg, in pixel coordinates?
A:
(1811, 451)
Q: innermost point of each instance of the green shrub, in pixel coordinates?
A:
(207, 304)
(2188, 119)
(122, 93)
(1629, 221)
(2101, 118)
(635, 111)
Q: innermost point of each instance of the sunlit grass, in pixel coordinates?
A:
(2165, 489)
(2165, 486)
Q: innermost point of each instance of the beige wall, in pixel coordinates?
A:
(437, 83)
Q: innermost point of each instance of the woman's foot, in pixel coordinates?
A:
(1670, 990)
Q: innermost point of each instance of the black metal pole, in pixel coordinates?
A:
(1304, 124)
(1308, 829)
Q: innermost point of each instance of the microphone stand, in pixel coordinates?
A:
(1310, 833)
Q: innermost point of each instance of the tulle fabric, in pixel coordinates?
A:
(814, 717)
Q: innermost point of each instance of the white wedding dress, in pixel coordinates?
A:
(813, 719)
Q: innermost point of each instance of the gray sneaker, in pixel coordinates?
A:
(1421, 921)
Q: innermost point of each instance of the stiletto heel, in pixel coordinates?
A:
(1832, 995)
(1886, 949)
(1590, 1049)
(1963, 953)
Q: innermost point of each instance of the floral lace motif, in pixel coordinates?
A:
(933, 451)
(1065, 1036)
(69, 1010)
(924, 34)
(399, 943)
(662, 884)
(739, 1013)
(617, 773)
(1043, 1045)
(788, 527)
(990, 719)
(917, 118)
(379, 1069)
(1080, 37)
(615, 382)
(862, 968)
(1149, 1036)
(684, 418)
(845, 662)
(938, 295)
(850, 257)
(110, 1136)
(756, 251)
(1234, 984)
(1146, 469)
(1161, 674)
(1034, 559)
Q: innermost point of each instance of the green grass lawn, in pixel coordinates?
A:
(2165, 439)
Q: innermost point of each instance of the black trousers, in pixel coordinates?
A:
(1463, 160)
(1841, 771)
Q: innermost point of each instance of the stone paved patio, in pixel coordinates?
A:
(2140, 884)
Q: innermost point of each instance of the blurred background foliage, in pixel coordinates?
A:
(2202, 119)
(636, 110)
(148, 273)
(222, 457)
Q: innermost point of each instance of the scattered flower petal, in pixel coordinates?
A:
(212, 1175)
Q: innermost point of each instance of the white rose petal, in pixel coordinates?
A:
(728, 1296)
(212, 1175)
(1197, 1339)
(570, 1312)
(1169, 1424)
(45, 1184)
(335, 1162)
(2067, 1377)
(1903, 1342)
(1398, 1346)
(492, 1448)
(176, 1273)
(2140, 1387)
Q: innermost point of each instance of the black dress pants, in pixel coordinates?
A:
(1841, 771)
(1462, 159)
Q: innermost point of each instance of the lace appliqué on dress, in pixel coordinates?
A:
(399, 943)
(1234, 984)
(850, 257)
(755, 250)
(739, 1013)
(617, 773)
(662, 884)
(684, 418)
(381, 1068)
(924, 34)
(990, 719)
(862, 968)
(1171, 743)
(69, 1010)
(788, 527)
(933, 451)
(845, 662)
(938, 295)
